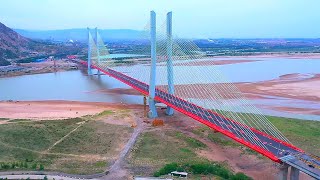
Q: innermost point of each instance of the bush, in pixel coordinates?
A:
(240, 176)
(25, 165)
(157, 174)
(201, 168)
(41, 167)
(168, 168)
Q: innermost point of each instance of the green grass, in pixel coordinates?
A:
(157, 150)
(194, 143)
(221, 139)
(104, 113)
(82, 152)
(36, 136)
(20, 120)
(94, 137)
(3, 119)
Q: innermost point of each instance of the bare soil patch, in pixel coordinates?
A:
(51, 110)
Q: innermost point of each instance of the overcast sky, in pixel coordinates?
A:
(191, 18)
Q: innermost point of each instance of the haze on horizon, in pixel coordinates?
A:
(192, 18)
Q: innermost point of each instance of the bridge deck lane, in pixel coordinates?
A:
(269, 146)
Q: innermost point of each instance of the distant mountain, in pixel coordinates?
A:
(80, 34)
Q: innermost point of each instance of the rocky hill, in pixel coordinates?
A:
(13, 45)
(17, 48)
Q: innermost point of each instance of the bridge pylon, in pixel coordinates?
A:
(152, 87)
(169, 44)
(96, 42)
(169, 110)
(89, 53)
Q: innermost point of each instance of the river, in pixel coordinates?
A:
(78, 86)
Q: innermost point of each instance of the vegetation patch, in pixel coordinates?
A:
(154, 149)
(221, 139)
(191, 141)
(209, 168)
(20, 120)
(103, 113)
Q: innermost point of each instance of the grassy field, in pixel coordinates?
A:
(56, 145)
(156, 150)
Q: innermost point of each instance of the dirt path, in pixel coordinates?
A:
(118, 169)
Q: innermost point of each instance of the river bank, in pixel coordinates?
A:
(52, 110)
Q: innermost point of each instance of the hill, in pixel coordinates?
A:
(17, 48)
(80, 34)
(12, 44)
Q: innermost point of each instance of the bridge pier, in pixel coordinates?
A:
(294, 173)
(152, 87)
(283, 172)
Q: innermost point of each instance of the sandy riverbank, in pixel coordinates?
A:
(50, 110)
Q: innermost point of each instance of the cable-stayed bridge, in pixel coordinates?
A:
(177, 73)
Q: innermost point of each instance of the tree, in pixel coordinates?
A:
(41, 167)
(25, 165)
